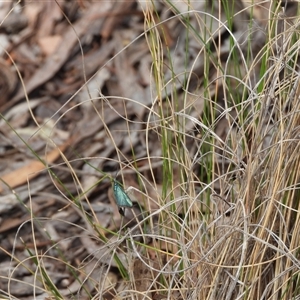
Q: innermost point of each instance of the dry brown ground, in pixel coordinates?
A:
(60, 55)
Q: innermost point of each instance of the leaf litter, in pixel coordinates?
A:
(57, 78)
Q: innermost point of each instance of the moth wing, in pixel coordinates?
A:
(122, 198)
(126, 201)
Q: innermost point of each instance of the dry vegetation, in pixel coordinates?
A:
(193, 106)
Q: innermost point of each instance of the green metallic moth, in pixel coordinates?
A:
(121, 197)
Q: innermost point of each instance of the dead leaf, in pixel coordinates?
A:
(54, 62)
(31, 170)
(8, 80)
(49, 44)
(143, 279)
(112, 19)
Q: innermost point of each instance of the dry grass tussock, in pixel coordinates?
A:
(207, 141)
